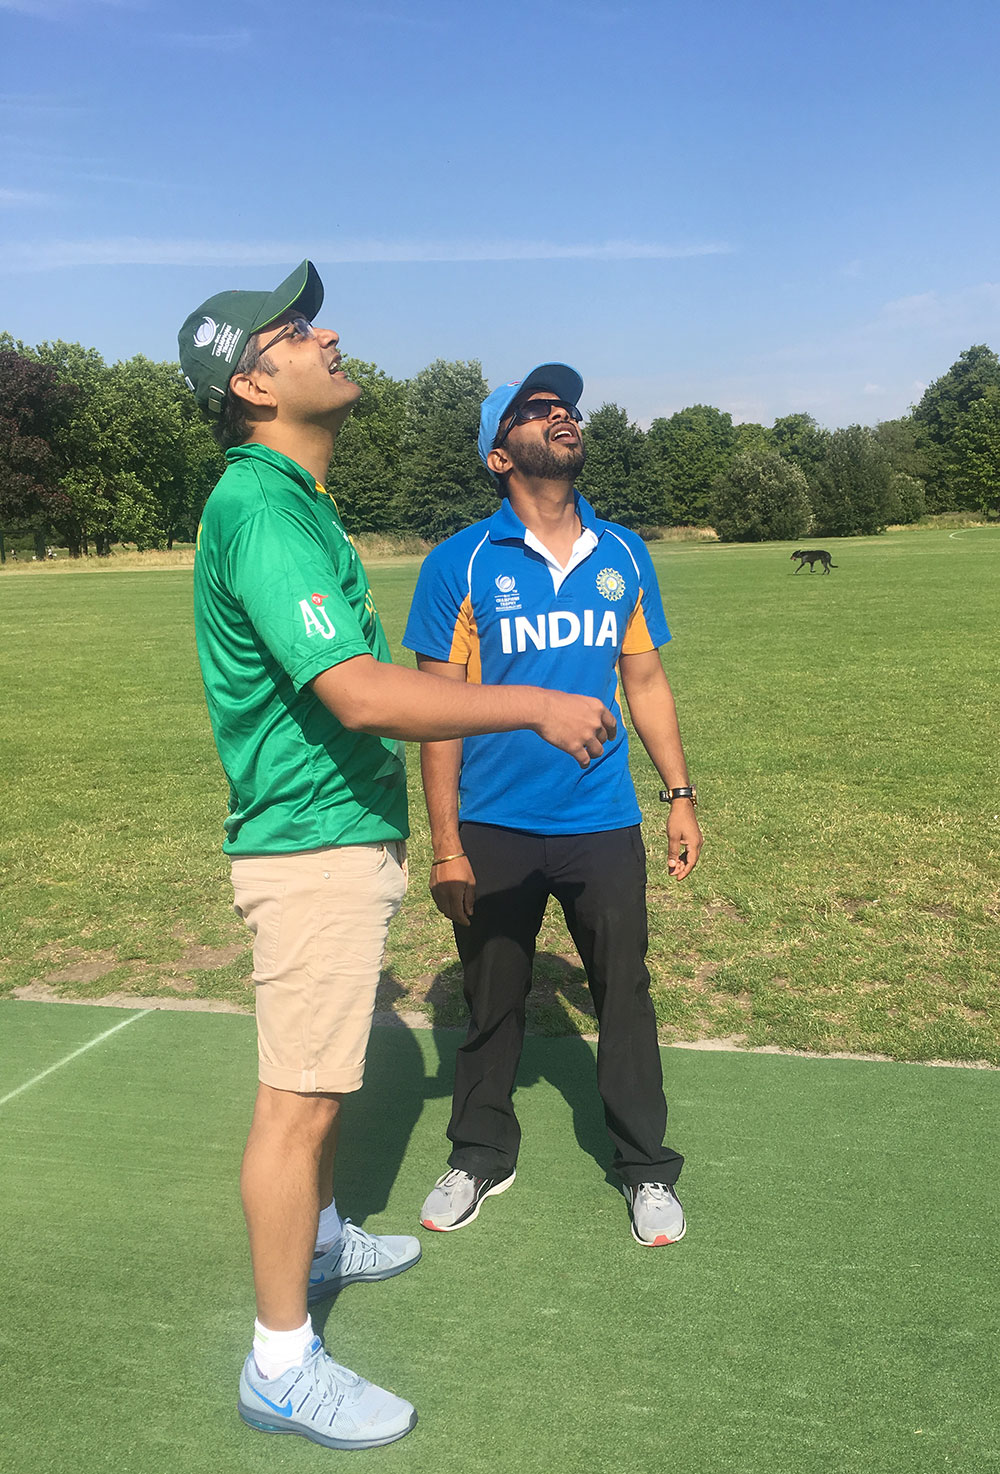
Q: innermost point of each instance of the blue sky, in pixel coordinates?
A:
(768, 207)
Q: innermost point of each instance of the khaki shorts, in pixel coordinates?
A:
(319, 920)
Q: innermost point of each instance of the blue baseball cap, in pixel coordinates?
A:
(558, 378)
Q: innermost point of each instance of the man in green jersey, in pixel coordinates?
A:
(309, 717)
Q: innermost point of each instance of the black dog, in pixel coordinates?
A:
(811, 556)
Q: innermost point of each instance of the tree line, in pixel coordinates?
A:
(94, 453)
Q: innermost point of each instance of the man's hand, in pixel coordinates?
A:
(684, 839)
(579, 725)
(453, 886)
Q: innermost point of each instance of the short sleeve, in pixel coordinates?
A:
(289, 586)
(647, 627)
(440, 619)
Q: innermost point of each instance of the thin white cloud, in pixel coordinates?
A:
(873, 389)
(62, 9)
(972, 309)
(202, 41)
(921, 307)
(29, 104)
(139, 251)
(13, 198)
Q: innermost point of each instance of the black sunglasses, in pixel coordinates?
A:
(537, 409)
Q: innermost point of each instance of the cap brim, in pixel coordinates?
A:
(557, 377)
(561, 380)
(302, 290)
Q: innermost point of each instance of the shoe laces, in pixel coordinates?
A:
(453, 1178)
(331, 1381)
(359, 1247)
(655, 1189)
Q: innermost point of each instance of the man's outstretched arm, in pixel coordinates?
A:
(453, 884)
(366, 695)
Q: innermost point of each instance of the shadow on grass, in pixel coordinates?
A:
(379, 1121)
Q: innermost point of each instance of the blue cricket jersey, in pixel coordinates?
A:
(489, 599)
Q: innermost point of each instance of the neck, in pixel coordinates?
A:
(309, 445)
(548, 509)
(543, 506)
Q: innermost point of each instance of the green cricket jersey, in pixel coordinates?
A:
(279, 596)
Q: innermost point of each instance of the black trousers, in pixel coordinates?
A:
(599, 881)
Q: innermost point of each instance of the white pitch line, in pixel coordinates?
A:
(76, 1052)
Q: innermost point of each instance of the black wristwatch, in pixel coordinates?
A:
(667, 795)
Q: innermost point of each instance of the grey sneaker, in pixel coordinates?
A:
(455, 1198)
(657, 1216)
(324, 1402)
(360, 1257)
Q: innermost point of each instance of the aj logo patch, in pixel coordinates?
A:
(316, 619)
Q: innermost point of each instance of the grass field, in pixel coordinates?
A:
(842, 731)
(831, 1311)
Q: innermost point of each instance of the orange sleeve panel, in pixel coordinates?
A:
(465, 643)
(637, 637)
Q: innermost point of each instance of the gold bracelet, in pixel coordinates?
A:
(445, 858)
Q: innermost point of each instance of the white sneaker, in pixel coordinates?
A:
(455, 1199)
(360, 1258)
(656, 1213)
(324, 1402)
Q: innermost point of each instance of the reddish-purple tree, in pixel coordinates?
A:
(32, 405)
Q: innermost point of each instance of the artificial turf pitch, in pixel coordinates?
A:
(833, 1306)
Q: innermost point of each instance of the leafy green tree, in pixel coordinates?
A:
(444, 485)
(164, 445)
(366, 473)
(974, 371)
(851, 492)
(976, 442)
(156, 461)
(944, 402)
(688, 451)
(800, 440)
(137, 459)
(760, 497)
(616, 478)
(750, 436)
(906, 444)
(907, 500)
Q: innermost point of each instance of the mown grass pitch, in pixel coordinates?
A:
(841, 729)
(830, 1311)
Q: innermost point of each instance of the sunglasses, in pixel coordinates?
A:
(537, 409)
(296, 327)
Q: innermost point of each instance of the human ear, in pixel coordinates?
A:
(256, 390)
(499, 461)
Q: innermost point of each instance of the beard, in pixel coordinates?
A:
(548, 462)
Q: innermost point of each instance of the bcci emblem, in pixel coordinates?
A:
(610, 584)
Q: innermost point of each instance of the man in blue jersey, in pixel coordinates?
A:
(546, 592)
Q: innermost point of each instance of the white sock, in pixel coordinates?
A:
(331, 1228)
(277, 1351)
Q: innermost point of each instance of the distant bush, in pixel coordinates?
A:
(907, 501)
(851, 488)
(760, 498)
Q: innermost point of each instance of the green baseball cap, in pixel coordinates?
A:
(215, 335)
